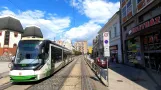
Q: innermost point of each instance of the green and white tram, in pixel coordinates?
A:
(37, 58)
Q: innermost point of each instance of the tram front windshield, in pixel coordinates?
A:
(27, 52)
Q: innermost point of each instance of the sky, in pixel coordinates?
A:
(62, 19)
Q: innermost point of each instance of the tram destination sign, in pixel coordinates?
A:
(146, 24)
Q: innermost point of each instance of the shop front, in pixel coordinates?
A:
(144, 45)
(134, 50)
(114, 53)
(152, 50)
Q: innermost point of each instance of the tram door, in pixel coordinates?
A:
(52, 58)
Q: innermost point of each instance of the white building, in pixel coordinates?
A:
(67, 43)
(113, 27)
(10, 34)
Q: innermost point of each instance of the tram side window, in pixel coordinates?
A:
(64, 55)
(46, 51)
(56, 54)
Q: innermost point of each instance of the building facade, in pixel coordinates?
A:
(113, 28)
(90, 49)
(67, 43)
(141, 32)
(95, 52)
(60, 42)
(10, 34)
(81, 46)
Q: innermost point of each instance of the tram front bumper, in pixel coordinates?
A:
(27, 78)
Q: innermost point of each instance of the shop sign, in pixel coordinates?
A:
(113, 47)
(145, 25)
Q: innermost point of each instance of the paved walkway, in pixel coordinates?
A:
(122, 77)
(4, 67)
(73, 82)
(82, 78)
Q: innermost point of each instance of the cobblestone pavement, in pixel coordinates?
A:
(68, 78)
(73, 82)
(82, 78)
(56, 81)
(5, 58)
(4, 67)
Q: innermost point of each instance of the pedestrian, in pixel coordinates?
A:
(12, 58)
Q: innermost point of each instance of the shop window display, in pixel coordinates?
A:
(152, 42)
(152, 50)
(134, 55)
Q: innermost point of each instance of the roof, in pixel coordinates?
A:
(32, 31)
(10, 23)
(57, 44)
(26, 38)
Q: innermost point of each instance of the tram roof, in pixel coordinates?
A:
(58, 45)
(25, 38)
(32, 31)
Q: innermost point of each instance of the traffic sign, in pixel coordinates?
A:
(106, 44)
(106, 41)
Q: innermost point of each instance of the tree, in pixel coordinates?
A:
(76, 52)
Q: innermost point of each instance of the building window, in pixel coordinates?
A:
(125, 28)
(115, 31)
(16, 34)
(129, 3)
(110, 33)
(138, 1)
(15, 45)
(152, 43)
(122, 1)
(141, 19)
(129, 7)
(124, 12)
(6, 40)
(1, 33)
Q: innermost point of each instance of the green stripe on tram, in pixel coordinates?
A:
(23, 77)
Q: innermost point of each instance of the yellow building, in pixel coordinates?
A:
(90, 49)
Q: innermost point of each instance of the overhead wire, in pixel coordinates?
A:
(28, 14)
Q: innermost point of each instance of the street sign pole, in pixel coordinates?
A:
(106, 51)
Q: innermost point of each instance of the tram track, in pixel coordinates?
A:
(73, 80)
(86, 84)
(6, 85)
(4, 74)
(56, 80)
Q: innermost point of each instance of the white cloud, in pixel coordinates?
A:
(50, 26)
(86, 31)
(98, 11)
